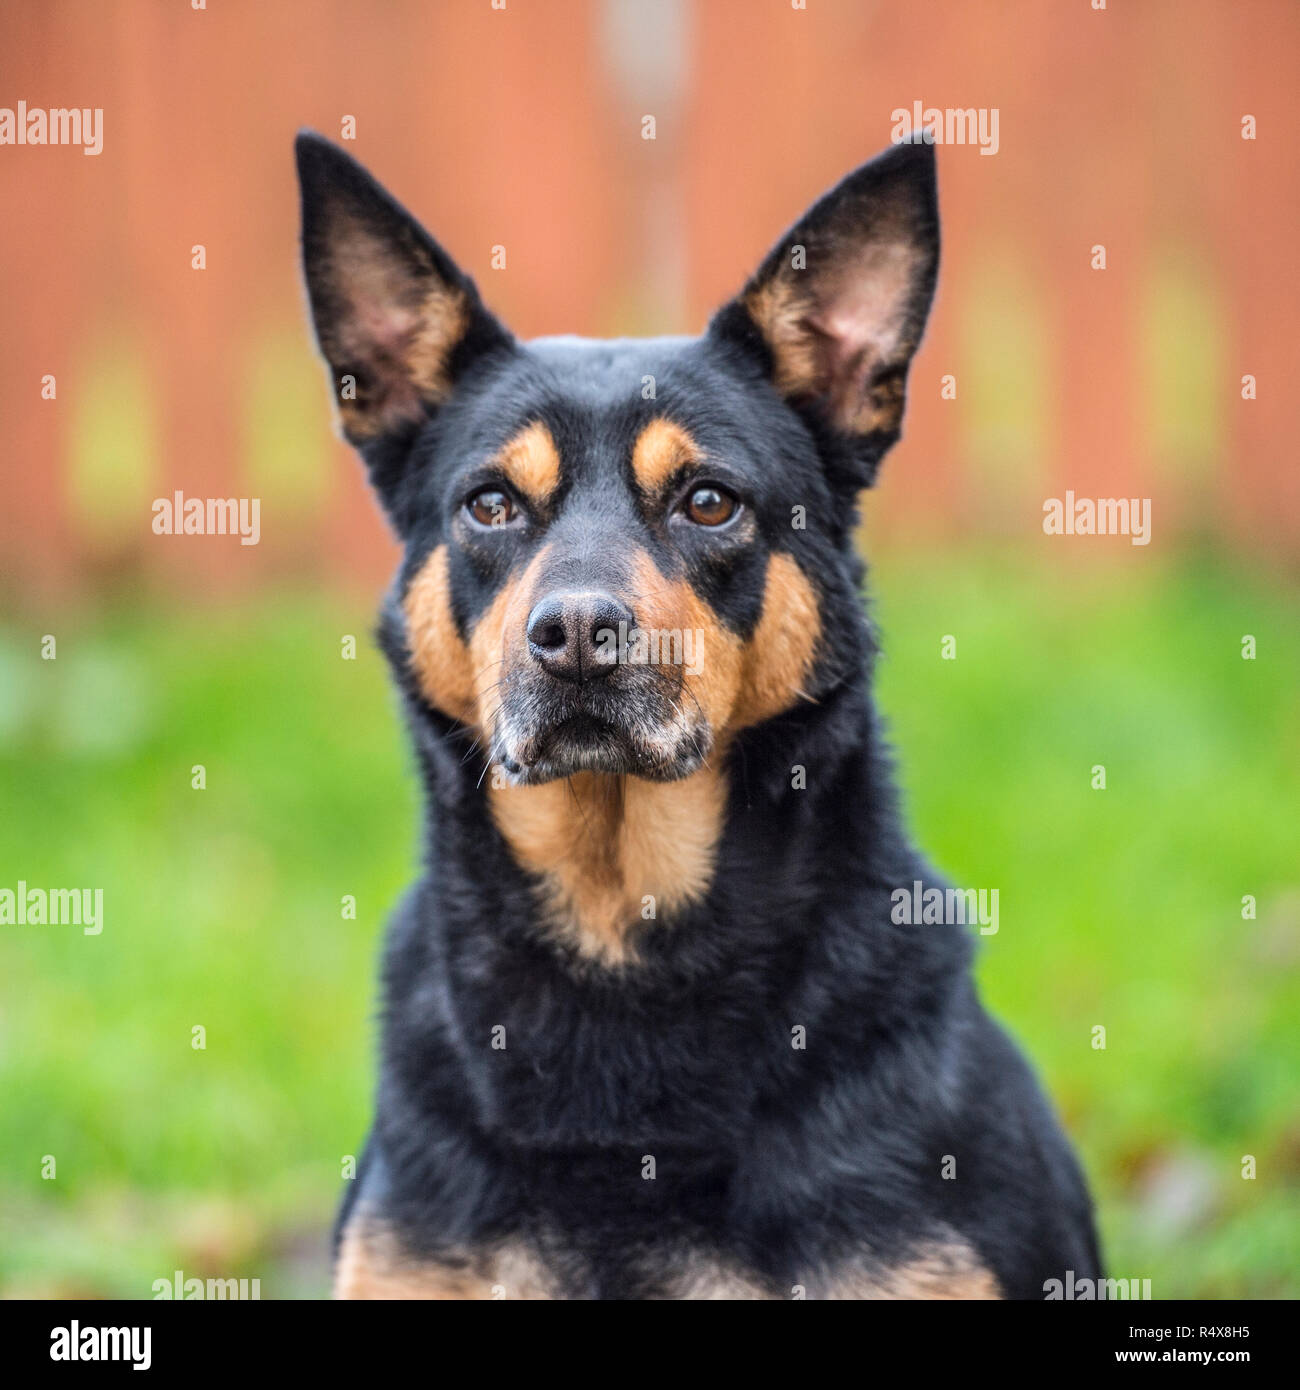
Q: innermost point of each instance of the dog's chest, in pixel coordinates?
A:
(373, 1263)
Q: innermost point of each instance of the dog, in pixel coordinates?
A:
(649, 1027)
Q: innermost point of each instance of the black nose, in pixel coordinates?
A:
(576, 636)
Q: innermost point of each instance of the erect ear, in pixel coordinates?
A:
(838, 307)
(396, 320)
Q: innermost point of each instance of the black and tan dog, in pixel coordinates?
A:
(649, 1030)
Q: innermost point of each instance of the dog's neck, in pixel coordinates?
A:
(609, 862)
(614, 853)
(809, 851)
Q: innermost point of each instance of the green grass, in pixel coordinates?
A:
(1119, 908)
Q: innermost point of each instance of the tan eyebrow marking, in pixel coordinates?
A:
(661, 449)
(531, 462)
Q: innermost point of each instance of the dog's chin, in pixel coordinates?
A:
(584, 744)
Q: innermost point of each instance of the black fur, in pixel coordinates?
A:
(785, 1162)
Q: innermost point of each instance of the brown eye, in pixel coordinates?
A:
(491, 507)
(710, 506)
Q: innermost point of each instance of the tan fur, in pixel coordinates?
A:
(602, 844)
(779, 656)
(781, 311)
(705, 1277)
(941, 1271)
(661, 449)
(845, 338)
(532, 463)
(439, 657)
(372, 1264)
(441, 322)
(403, 324)
(739, 684)
(672, 605)
(497, 645)
(464, 679)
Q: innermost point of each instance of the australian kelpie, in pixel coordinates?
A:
(651, 1028)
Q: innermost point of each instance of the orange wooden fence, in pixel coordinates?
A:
(522, 127)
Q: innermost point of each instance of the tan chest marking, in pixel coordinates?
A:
(371, 1264)
(946, 1270)
(706, 1278)
(614, 852)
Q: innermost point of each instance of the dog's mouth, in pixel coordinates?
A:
(587, 742)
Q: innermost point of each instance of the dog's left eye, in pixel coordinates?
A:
(710, 506)
(489, 506)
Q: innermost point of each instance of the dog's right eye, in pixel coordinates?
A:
(489, 506)
(710, 506)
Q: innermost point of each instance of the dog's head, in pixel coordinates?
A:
(619, 554)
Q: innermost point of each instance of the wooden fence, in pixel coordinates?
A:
(522, 126)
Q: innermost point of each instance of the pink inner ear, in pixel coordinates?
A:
(383, 296)
(861, 317)
(384, 326)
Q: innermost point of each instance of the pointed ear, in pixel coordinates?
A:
(395, 319)
(838, 307)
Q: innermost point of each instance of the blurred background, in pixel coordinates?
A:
(522, 127)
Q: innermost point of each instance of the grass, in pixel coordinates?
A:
(223, 909)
